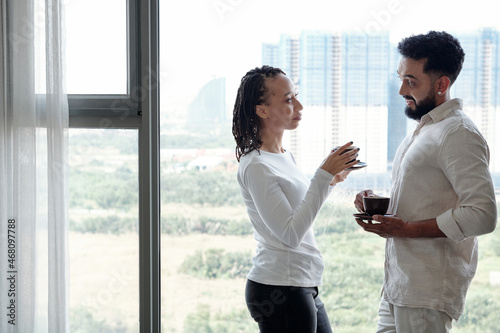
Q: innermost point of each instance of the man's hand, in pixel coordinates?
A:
(358, 202)
(392, 226)
(386, 226)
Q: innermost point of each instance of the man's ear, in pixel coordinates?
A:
(261, 111)
(443, 83)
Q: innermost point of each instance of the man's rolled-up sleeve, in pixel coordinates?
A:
(464, 158)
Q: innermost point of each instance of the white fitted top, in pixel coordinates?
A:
(282, 204)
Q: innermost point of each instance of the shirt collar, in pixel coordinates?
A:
(442, 111)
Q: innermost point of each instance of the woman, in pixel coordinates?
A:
(282, 287)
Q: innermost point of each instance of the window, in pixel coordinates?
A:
(207, 240)
(205, 236)
(114, 213)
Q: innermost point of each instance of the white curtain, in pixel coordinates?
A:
(33, 168)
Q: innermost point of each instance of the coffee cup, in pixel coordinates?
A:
(346, 150)
(376, 205)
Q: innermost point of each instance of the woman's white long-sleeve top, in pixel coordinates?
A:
(282, 204)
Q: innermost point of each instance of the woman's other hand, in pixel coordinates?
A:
(340, 177)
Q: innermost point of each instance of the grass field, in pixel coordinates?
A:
(104, 284)
(105, 279)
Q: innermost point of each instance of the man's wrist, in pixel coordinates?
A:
(423, 228)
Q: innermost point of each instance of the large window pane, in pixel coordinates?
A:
(103, 239)
(343, 57)
(96, 46)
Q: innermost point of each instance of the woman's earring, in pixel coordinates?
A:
(439, 93)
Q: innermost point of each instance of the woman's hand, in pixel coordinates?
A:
(335, 163)
(340, 177)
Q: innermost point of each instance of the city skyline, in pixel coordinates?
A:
(394, 115)
(232, 32)
(361, 89)
(358, 95)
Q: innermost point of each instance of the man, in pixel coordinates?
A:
(442, 195)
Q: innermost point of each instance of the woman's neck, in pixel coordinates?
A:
(272, 141)
(272, 149)
(272, 146)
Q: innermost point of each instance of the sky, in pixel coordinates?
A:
(214, 38)
(205, 39)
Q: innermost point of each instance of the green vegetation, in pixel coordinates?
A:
(214, 188)
(125, 143)
(204, 321)
(187, 141)
(176, 224)
(111, 224)
(199, 136)
(209, 203)
(83, 321)
(215, 263)
(481, 312)
(117, 190)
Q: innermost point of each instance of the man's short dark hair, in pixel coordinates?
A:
(443, 52)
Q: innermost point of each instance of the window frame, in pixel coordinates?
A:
(138, 109)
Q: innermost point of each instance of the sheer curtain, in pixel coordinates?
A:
(33, 168)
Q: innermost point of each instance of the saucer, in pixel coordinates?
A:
(360, 165)
(364, 216)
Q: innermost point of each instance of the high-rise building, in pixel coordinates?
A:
(365, 68)
(319, 54)
(288, 57)
(479, 86)
(285, 55)
(270, 54)
(365, 84)
(319, 86)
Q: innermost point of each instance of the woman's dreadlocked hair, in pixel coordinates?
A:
(252, 92)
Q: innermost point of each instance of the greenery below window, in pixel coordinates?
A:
(208, 241)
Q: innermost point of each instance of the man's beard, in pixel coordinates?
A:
(422, 108)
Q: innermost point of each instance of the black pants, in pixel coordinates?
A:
(281, 309)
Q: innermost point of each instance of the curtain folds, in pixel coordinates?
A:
(33, 168)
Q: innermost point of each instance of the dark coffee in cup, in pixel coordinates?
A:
(376, 205)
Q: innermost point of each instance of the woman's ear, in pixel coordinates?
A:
(261, 111)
